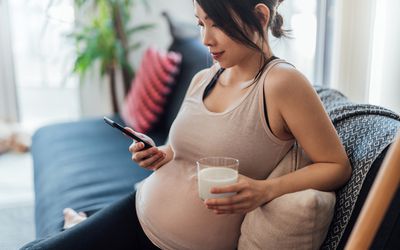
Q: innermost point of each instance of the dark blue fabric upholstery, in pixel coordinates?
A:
(85, 165)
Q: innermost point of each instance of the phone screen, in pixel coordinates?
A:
(127, 132)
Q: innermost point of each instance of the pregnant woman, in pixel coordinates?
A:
(250, 105)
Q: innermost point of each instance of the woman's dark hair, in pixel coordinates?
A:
(237, 19)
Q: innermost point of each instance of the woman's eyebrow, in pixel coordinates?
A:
(205, 18)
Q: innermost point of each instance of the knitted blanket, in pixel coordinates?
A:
(365, 130)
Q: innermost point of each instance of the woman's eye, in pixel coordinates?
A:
(200, 24)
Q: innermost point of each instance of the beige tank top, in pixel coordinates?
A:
(168, 205)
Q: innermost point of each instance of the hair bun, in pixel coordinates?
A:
(277, 24)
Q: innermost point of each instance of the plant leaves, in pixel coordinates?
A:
(141, 27)
(97, 40)
(135, 46)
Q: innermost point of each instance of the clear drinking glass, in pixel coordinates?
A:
(216, 172)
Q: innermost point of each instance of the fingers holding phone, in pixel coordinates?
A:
(150, 158)
(144, 150)
(141, 136)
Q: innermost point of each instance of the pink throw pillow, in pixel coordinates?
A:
(146, 99)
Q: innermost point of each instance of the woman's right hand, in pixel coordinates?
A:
(151, 158)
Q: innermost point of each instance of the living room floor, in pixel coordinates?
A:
(16, 200)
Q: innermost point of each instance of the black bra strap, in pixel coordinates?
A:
(212, 83)
(214, 80)
(264, 101)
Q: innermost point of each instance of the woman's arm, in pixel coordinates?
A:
(169, 154)
(305, 119)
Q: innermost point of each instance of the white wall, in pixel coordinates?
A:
(95, 98)
(95, 95)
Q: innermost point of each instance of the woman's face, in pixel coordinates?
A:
(223, 49)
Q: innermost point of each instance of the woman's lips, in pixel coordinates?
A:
(217, 55)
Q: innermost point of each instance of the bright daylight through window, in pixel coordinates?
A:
(43, 58)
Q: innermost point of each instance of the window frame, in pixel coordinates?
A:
(324, 43)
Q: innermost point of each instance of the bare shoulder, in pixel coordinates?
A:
(290, 99)
(201, 75)
(285, 81)
(198, 79)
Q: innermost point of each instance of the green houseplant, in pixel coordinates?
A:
(107, 38)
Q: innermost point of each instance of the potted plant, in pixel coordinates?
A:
(107, 38)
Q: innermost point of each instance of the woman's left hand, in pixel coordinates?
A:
(250, 194)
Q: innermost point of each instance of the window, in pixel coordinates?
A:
(43, 58)
(308, 49)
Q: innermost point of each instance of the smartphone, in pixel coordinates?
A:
(127, 132)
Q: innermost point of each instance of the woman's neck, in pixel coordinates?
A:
(247, 70)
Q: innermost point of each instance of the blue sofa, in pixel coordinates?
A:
(86, 165)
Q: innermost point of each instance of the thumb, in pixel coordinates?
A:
(141, 136)
(131, 130)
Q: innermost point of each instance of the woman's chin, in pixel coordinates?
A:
(223, 64)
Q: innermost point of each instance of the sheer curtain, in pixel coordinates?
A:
(351, 54)
(385, 74)
(366, 51)
(8, 97)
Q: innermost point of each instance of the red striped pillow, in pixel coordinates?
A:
(145, 101)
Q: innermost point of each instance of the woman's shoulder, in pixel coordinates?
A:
(207, 72)
(284, 80)
(201, 77)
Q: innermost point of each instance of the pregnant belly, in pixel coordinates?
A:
(174, 217)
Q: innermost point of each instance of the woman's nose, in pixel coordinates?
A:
(208, 39)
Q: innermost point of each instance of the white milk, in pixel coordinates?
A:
(215, 177)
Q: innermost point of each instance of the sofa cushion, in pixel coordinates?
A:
(298, 220)
(146, 99)
(85, 165)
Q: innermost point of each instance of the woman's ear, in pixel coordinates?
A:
(262, 12)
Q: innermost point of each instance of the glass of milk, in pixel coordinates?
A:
(216, 172)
